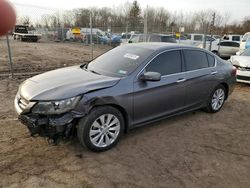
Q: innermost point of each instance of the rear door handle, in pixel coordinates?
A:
(214, 72)
(181, 80)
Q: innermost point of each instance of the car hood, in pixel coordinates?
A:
(243, 61)
(63, 83)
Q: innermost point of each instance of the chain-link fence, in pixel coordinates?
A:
(57, 39)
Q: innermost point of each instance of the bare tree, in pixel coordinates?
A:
(24, 20)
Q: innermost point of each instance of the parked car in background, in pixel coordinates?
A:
(242, 63)
(152, 38)
(197, 39)
(227, 48)
(22, 32)
(126, 87)
(224, 49)
(125, 37)
(236, 38)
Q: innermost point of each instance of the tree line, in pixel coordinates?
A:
(131, 17)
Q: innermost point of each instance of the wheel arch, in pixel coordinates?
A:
(225, 85)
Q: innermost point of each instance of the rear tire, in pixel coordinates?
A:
(216, 99)
(101, 129)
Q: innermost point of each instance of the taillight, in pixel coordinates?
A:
(234, 71)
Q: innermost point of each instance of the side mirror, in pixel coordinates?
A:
(151, 76)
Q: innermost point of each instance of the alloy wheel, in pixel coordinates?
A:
(218, 99)
(104, 130)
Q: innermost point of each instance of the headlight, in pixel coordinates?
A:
(56, 107)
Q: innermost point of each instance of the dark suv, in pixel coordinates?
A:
(124, 88)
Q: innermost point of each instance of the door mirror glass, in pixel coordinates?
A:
(151, 76)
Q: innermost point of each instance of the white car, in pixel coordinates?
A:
(242, 63)
(224, 49)
(228, 48)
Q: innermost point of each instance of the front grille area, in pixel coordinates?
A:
(243, 78)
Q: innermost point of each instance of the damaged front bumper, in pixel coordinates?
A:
(53, 127)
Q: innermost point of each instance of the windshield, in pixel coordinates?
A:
(245, 53)
(120, 61)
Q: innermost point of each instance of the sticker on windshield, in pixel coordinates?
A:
(122, 72)
(131, 56)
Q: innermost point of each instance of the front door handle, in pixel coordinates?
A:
(214, 72)
(181, 80)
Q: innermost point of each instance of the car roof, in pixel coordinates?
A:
(161, 45)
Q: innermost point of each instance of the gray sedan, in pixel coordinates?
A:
(126, 87)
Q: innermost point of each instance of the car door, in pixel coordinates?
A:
(228, 48)
(155, 99)
(200, 76)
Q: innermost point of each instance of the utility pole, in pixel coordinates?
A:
(91, 35)
(145, 25)
(126, 31)
(10, 56)
(211, 30)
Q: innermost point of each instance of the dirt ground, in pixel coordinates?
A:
(196, 149)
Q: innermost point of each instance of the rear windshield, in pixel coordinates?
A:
(120, 61)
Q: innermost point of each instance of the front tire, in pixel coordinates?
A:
(216, 99)
(101, 129)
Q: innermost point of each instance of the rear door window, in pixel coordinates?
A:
(211, 60)
(166, 63)
(195, 59)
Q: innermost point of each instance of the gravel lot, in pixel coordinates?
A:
(192, 150)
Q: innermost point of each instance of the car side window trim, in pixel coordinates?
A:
(183, 63)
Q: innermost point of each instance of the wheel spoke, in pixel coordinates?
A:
(96, 138)
(109, 118)
(114, 128)
(102, 119)
(100, 142)
(96, 125)
(94, 132)
(111, 134)
(115, 121)
(107, 139)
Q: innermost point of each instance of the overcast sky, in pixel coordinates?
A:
(238, 9)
